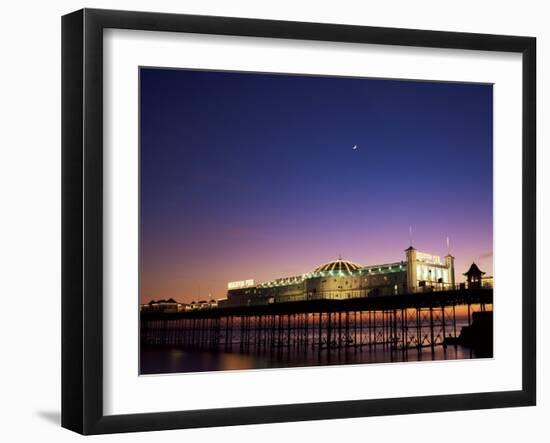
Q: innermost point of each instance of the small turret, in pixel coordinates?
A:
(473, 276)
(411, 269)
(450, 263)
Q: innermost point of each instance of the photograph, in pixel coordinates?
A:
(267, 222)
(295, 220)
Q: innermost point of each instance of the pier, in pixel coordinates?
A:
(399, 322)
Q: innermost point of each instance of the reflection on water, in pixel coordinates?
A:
(155, 360)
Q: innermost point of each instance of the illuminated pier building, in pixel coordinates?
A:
(342, 279)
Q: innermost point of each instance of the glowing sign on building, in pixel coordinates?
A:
(428, 258)
(240, 284)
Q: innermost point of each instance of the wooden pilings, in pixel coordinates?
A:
(389, 329)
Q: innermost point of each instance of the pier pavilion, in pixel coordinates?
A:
(342, 279)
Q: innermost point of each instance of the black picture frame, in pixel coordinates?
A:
(82, 218)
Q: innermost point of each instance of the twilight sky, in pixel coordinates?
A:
(254, 176)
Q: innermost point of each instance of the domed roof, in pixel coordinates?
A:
(338, 266)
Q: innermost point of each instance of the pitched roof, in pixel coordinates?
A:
(474, 270)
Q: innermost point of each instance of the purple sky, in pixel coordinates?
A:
(254, 175)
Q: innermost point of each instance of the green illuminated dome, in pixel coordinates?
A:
(339, 266)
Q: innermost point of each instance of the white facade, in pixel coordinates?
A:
(342, 279)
